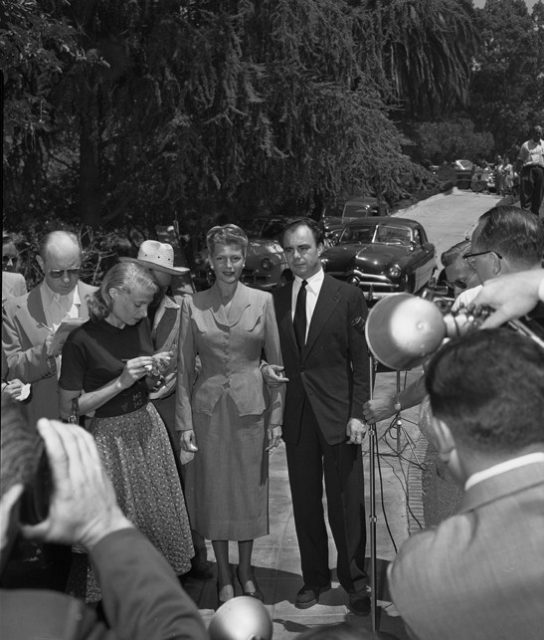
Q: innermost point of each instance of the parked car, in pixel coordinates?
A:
(266, 266)
(332, 229)
(382, 255)
(463, 172)
(363, 207)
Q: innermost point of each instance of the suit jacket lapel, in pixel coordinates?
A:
(326, 302)
(35, 307)
(240, 302)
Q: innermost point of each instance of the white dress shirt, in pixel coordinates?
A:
(312, 292)
(58, 307)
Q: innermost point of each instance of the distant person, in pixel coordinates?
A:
(480, 573)
(142, 598)
(29, 322)
(226, 418)
(507, 174)
(497, 174)
(530, 164)
(13, 283)
(109, 364)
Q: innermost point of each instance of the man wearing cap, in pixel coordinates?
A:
(164, 315)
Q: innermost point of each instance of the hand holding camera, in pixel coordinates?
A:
(83, 507)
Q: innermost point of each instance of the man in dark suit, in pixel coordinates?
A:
(142, 597)
(480, 573)
(326, 362)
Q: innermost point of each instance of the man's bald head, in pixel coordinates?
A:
(59, 241)
(60, 260)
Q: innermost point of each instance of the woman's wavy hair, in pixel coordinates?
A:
(123, 276)
(226, 234)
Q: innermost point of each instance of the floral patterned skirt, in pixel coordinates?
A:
(138, 458)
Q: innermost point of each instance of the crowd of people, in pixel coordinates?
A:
(169, 405)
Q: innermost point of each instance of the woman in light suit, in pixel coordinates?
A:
(226, 417)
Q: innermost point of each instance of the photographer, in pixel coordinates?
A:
(141, 595)
(480, 573)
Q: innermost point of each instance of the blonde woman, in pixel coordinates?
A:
(225, 417)
(107, 370)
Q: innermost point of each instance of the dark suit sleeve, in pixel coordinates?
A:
(358, 351)
(141, 595)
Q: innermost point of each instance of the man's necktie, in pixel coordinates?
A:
(299, 320)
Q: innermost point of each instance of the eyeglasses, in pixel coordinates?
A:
(469, 257)
(59, 273)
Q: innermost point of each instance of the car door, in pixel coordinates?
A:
(423, 259)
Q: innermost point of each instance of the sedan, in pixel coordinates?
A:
(382, 255)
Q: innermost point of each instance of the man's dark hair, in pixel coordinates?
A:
(315, 227)
(514, 233)
(488, 387)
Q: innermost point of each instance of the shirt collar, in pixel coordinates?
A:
(314, 282)
(503, 467)
(51, 296)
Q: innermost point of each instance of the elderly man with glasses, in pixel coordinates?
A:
(30, 321)
(506, 240)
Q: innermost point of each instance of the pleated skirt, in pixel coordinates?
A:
(226, 483)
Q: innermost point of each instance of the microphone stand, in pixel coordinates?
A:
(372, 437)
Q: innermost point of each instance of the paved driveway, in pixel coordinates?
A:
(450, 217)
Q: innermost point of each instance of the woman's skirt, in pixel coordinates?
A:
(138, 458)
(226, 483)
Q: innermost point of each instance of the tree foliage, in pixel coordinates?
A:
(123, 113)
(422, 50)
(452, 139)
(507, 90)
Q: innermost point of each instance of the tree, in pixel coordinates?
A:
(422, 51)
(507, 91)
(451, 140)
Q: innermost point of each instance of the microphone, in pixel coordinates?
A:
(402, 330)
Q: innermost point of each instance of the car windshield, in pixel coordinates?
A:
(392, 235)
(379, 234)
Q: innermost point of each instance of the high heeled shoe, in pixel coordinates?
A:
(226, 596)
(250, 587)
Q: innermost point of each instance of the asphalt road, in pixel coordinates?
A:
(449, 217)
